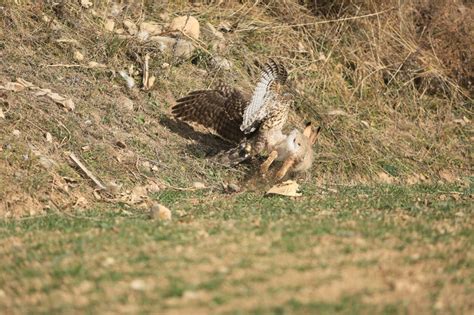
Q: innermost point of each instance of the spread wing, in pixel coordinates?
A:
(272, 75)
(220, 109)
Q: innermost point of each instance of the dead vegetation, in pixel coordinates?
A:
(391, 86)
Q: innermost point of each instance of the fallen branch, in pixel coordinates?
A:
(89, 174)
(146, 74)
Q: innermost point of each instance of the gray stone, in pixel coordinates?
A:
(183, 49)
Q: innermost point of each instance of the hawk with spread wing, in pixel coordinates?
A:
(254, 121)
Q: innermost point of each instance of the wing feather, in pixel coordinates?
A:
(220, 109)
(272, 74)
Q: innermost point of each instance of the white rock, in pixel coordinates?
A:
(16, 133)
(86, 4)
(189, 25)
(183, 49)
(164, 16)
(78, 56)
(116, 9)
(109, 261)
(146, 165)
(138, 285)
(143, 35)
(113, 188)
(151, 27)
(131, 27)
(219, 62)
(211, 31)
(49, 137)
(125, 103)
(109, 25)
(166, 44)
(46, 162)
(160, 212)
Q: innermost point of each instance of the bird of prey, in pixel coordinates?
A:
(254, 121)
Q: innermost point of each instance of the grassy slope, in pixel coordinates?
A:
(339, 248)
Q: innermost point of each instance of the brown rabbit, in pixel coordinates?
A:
(296, 152)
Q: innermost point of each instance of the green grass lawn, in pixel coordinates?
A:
(381, 249)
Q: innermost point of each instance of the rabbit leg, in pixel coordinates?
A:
(287, 164)
(266, 165)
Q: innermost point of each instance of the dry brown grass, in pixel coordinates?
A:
(383, 82)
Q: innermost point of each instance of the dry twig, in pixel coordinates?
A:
(89, 174)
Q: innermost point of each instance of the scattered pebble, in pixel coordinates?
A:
(109, 25)
(164, 16)
(222, 63)
(151, 28)
(143, 35)
(109, 261)
(146, 165)
(231, 188)
(131, 27)
(116, 9)
(49, 137)
(160, 212)
(166, 44)
(16, 133)
(211, 31)
(199, 185)
(46, 162)
(86, 4)
(125, 103)
(78, 56)
(138, 285)
(187, 24)
(183, 49)
(113, 188)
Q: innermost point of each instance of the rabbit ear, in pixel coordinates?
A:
(314, 135)
(308, 130)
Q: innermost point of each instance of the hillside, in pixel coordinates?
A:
(390, 84)
(392, 107)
